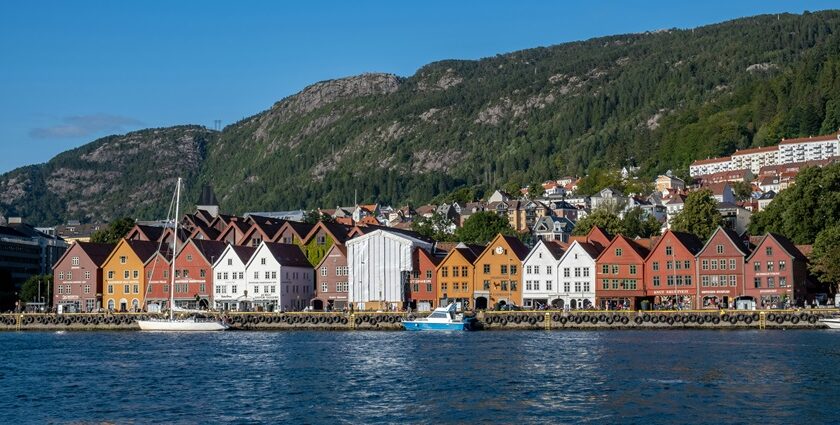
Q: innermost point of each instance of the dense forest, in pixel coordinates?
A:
(656, 100)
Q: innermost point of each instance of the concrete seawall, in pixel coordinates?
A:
(490, 320)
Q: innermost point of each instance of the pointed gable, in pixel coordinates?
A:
(141, 232)
(598, 237)
(728, 236)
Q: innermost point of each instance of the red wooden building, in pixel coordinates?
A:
(670, 271)
(619, 275)
(194, 272)
(77, 277)
(776, 273)
(720, 270)
(422, 285)
(331, 284)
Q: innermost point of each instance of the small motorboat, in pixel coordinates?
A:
(441, 319)
(831, 322)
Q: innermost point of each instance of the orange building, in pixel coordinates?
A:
(455, 276)
(498, 277)
(124, 277)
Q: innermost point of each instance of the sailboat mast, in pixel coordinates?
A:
(174, 251)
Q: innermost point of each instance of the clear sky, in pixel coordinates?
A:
(73, 71)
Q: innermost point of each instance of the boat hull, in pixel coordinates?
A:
(180, 326)
(431, 326)
(831, 323)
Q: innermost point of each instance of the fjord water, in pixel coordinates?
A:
(384, 377)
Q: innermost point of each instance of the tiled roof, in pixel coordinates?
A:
(211, 250)
(97, 252)
(755, 150)
(711, 160)
(823, 138)
(288, 254)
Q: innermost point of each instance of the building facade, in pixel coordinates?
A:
(576, 276)
(670, 271)
(279, 278)
(497, 272)
(720, 270)
(124, 276)
(77, 277)
(776, 273)
(422, 286)
(540, 269)
(620, 275)
(230, 281)
(332, 280)
(455, 279)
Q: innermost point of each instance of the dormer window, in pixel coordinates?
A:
(618, 252)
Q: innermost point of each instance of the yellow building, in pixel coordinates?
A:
(498, 273)
(123, 278)
(455, 276)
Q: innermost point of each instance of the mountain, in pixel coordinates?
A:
(657, 100)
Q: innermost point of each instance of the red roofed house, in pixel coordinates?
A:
(619, 275)
(776, 273)
(721, 269)
(669, 271)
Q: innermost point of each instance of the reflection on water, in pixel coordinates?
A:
(385, 377)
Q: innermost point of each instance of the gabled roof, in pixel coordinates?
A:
(468, 252)
(767, 195)
(287, 254)
(151, 233)
(298, 228)
(144, 250)
(593, 250)
(338, 232)
(554, 248)
(209, 249)
(210, 233)
(783, 242)
(340, 248)
(97, 252)
(243, 252)
(640, 250)
(733, 237)
(690, 242)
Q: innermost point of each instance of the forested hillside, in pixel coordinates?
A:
(657, 100)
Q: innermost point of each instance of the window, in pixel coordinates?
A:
(528, 285)
(464, 271)
(232, 289)
(733, 280)
(618, 252)
(60, 275)
(321, 240)
(513, 269)
(428, 287)
(529, 270)
(218, 289)
(126, 289)
(669, 265)
(125, 274)
(615, 269)
(670, 280)
(769, 266)
(782, 282)
(687, 264)
(732, 264)
(444, 286)
(189, 257)
(704, 280)
(633, 269)
(567, 287)
(577, 271)
(548, 285)
(704, 264)
(512, 285)
(415, 287)
(262, 261)
(486, 285)
(769, 251)
(444, 271)
(656, 266)
(202, 287)
(605, 268)
(567, 270)
(166, 273)
(122, 259)
(656, 281)
(678, 265)
(503, 269)
(136, 274)
(257, 289)
(757, 282)
(504, 285)
(771, 282)
(669, 250)
(630, 284)
(548, 270)
(757, 267)
(605, 284)
(782, 266)
(429, 274)
(74, 261)
(486, 269)
(230, 261)
(719, 249)
(325, 287)
(586, 272)
(87, 289)
(454, 271)
(615, 283)
(268, 275)
(585, 286)
(110, 289)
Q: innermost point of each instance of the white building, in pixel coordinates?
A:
(279, 277)
(540, 286)
(230, 290)
(709, 166)
(809, 148)
(380, 267)
(576, 271)
(754, 158)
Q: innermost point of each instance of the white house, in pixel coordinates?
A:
(279, 277)
(540, 274)
(380, 267)
(230, 285)
(576, 276)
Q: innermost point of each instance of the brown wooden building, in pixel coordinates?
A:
(720, 270)
(77, 277)
(670, 271)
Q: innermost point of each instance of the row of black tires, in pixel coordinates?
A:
(314, 320)
(68, 320)
(669, 319)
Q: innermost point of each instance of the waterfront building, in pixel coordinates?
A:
(540, 271)
(321, 238)
(77, 277)
(809, 148)
(576, 274)
(670, 271)
(381, 263)
(720, 270)
(230, 281)
(620, 275)
(279, 277)
(422, 288)
(158, 280)
(776, 273)
(194, 272)
(455, 278)
(332, 280)
(497, 272)
(124, 275)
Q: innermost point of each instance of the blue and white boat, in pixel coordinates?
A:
(441, 319)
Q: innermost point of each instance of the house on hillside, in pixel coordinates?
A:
(551, 228)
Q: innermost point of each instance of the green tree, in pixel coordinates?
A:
(825, 257)
(115, 231)
(29, 289)
(482, 227)
(699, 216)
(638, 223)
(601, 217)
(803, 210)
(535, 190)
(742, 190)
(314, 216)
(598, 179)
(436, 227)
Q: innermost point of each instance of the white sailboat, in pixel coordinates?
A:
(173, 324)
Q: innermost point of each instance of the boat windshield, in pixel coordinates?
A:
(438, 315)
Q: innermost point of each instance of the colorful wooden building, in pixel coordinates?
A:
(620, 274)
(422, 288)
(776, 273)
(124, 277)
(720, 270)
(498, 280)
(331, 280)
(77, 277)
(669, 274)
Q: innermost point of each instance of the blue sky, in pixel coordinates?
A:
(75, 71)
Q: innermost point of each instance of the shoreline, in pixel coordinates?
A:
(488, 320)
